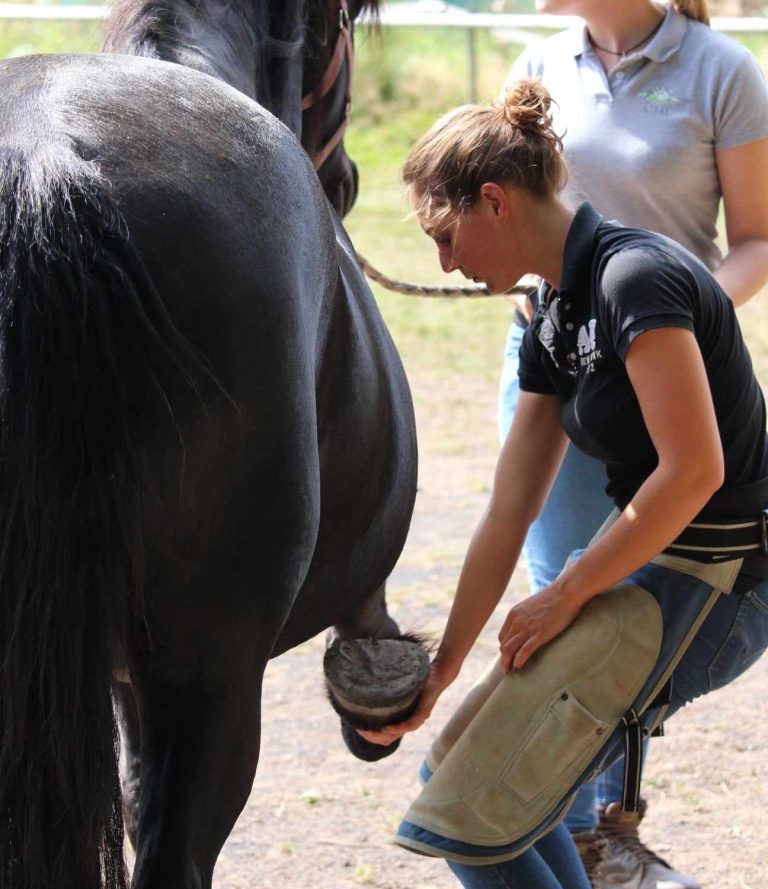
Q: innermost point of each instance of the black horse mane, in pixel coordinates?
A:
(168, 29)
(321, 29)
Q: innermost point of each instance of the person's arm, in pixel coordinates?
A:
(526, 468)
(744, 184)
(667, 373)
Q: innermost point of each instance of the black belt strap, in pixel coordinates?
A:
(721, 541)
(633, 761)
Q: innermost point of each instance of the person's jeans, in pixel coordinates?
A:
(552, 863)
(730, 640)
(576, 508)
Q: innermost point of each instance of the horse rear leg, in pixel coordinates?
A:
(199, 750)
(371, 620)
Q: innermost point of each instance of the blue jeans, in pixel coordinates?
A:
(577, 506)
(552, 863)
(731, 639)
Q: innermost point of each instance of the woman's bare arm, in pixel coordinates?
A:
(667, 372)
(743, 181)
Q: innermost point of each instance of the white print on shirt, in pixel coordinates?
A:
(659, 100)
(588, 353)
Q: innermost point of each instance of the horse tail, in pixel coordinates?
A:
(86, 348)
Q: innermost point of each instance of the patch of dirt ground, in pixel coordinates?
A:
(319, 819)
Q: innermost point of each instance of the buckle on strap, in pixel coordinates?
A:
(764, 532)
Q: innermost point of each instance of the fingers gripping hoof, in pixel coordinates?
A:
(363, 749)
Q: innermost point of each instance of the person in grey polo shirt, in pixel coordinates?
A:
(662, 118)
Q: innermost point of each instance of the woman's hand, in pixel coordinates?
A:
(533, 623)
(435, 685)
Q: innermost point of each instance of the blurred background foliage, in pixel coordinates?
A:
(404, 79)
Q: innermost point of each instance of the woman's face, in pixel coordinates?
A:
(477, 244)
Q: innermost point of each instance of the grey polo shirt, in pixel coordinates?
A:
(640, 142)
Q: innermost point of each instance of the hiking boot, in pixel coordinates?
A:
(591, 849)
(628, 862)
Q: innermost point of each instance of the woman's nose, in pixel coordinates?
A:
(447, 262)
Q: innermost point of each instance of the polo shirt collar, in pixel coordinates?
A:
(575, 40)
(663, 44)
(668, 38)
(578, 252)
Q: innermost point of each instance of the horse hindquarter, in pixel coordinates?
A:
(143, 484)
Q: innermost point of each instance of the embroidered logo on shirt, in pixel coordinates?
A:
(659, 100)
(585, 343)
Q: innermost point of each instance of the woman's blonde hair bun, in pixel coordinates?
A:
(526, 106)
(512, 141)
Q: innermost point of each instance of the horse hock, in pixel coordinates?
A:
(372, 683)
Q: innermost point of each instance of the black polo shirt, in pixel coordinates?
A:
(618, 282)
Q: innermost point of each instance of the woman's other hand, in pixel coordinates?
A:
(534, 622)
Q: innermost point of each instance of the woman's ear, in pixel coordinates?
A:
(495, 198)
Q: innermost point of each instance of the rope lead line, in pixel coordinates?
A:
(525, 285)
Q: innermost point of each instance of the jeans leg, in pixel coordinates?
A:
(576, 508)
(582, 815)
(509, 388)
(552, 863)
(731, 639)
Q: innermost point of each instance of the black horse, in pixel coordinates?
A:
(295, 57)
(207, 448)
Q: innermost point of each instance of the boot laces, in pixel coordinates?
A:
(621, 832)
(630, 845)
(592, 853)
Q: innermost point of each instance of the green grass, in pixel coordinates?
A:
(28, 38)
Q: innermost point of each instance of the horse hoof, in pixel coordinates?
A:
(374, 682)
(362, 749)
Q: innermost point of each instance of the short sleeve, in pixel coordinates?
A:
(645, 288)
(741, 103)
(533, 377)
